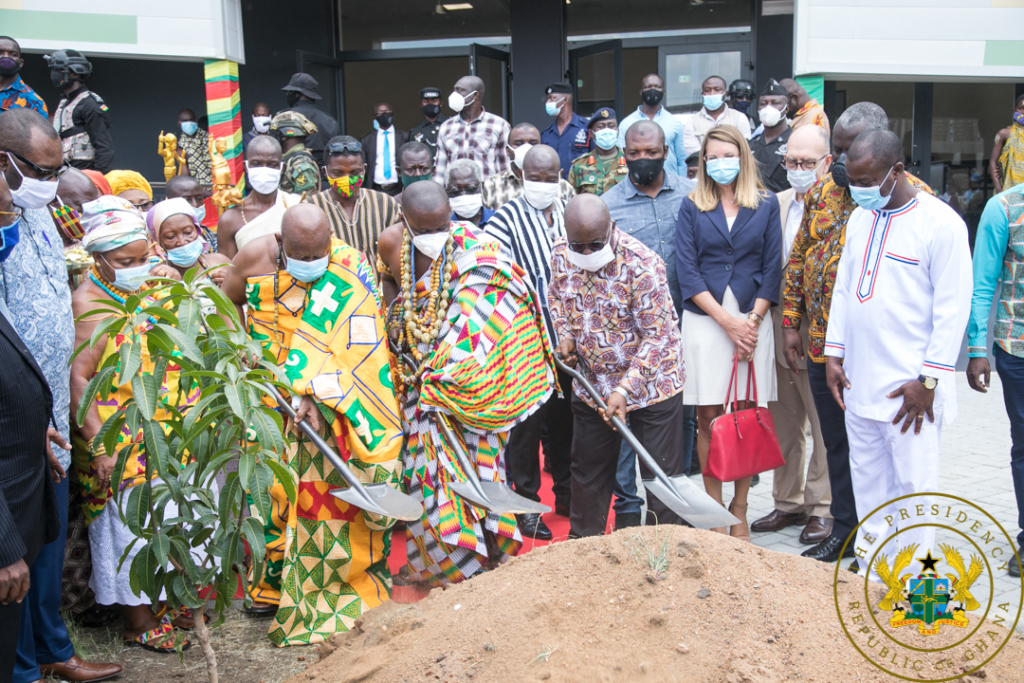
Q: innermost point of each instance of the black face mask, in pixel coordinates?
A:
(652, 97)
(9, 67)
(431, 110)
(384, 120)
(839, 176)
(645, 171)
(741, 106)
(292, 98)
(60, 79)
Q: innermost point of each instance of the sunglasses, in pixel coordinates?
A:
(344, 148)
(42, 173)
(580, 247)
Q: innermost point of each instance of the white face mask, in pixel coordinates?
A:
(457, 101)
(801, 180)
(540, 195)
(431, 245)
(466, 205)
(518, 154)
(595, 260)
(33, 193)
(261, 123)
(263, 179)
(770, 116)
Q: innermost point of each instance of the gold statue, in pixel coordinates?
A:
(167, 147)
(225, 194)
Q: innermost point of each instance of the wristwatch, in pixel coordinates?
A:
(928, 382)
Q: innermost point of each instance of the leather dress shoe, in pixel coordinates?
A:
(79, 670)
(816, 531)
(562, 507)
(1012, 568)
(777, 520)
(828, 550)
(532, 526)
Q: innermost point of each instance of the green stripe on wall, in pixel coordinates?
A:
(70, 26)
(1004, 53)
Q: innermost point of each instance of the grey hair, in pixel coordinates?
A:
(478, 171)
(863, 114)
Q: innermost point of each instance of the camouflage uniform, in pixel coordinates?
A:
(300, 172)
(586, 174)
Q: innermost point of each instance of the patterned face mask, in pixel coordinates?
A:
(346, 185)
(69, 221)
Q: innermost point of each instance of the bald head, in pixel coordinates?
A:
(264, 144)
(75, 188)
(644, 131)
(426, 207)
(811, 138)
(470, 84)
(880, 146)
(542, 165)
(305, 233)
(587, 220)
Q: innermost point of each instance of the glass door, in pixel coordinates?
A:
(492, 65)
(327, 72)
(685, 66)
(595, 72)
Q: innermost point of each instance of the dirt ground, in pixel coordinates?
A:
(658, 605)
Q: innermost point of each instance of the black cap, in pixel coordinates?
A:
(772, 87)
(602, 114)
(561, 88)
(429, 93)
(305, 84)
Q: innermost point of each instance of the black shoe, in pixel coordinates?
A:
(562, 507)
(828, 550)
(1012, 568)
(532, 526)
(626, 519)
(755, 480)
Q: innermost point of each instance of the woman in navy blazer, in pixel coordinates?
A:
(728, 241)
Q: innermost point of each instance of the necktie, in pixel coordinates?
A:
(387, 156)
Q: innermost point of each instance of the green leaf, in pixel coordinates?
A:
(246, 465)
(186, 592)
(287, 479)
(229, 504)
(221, 301)
(236, 399)
(108, 327)
(142, 576)
(161, 545)
(189, 318)
(253, 530)
(137, 509)
(145, 390)
(182, 554)
(102, 378)
(259, 490)
(160, 313)
(157, 449)
(215, 465)
(130, 360)
(268, 430)
(159, 342)
(122, 456)
(201, 537)
(185, 344)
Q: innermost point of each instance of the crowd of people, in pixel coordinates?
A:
(414, 285)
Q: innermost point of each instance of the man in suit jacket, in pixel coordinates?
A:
(381, 148)
(798, 501)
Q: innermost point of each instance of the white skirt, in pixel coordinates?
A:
(708, 351)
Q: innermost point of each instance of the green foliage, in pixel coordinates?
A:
(189, 446)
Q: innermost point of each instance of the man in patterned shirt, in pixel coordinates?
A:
(612, 308)
(473, 134)
(809, 280)
(500, 189)
(14, 92)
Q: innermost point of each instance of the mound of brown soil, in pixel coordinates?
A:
(596, 611)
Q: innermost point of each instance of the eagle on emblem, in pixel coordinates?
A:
(891, 577)
(967, 576)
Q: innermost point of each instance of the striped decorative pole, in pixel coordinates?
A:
(224, 111)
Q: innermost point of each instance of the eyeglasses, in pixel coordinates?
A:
(580, 247)
(143, 206)
(42, 173)
(16, 213)
(802, 164)
(344, 148)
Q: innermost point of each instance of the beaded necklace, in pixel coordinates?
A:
(425, 326)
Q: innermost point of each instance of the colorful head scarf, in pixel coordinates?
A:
(128, 180)
(167, 208)
(110, 223)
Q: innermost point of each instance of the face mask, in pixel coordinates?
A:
(307, 271)
(8, 67)
(606, 138)
(839, 176)
(518, 154)
(130, 279)
(652, 97)
(713, 102)
(59, 79)
(263, 179)
(770, 116)
(346, 185)
(189, 127)
(69, 221)
(200, 213)
(1018, 117)
(186, 255)
(456, 101)
(741, 106)
(540, 195)
(292, 98)
(467, 205)
(645, 171)
(801, 181)
(261, 123)
(431, 245)
(552, 108)
(32, 193)
(594, 261)
(408, 180)
(383, 121)
(723, 171)
(9, 236)
(871, 198)
(431, 110)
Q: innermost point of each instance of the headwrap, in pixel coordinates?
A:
(167, 208)
(772, 87)
(110, 223)
(128, 180)
(99, 180)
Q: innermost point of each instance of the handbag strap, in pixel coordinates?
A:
(734, 382)
(751, 380)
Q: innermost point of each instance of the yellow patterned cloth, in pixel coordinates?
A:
(1011, 160)
(330, 340)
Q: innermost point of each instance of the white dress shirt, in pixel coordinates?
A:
(698, 125)
(378, 167)
(792, 227)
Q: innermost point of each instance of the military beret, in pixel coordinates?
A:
(561, 88)
(429, 93)
(602, 114)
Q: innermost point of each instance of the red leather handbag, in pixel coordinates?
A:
(743, 442)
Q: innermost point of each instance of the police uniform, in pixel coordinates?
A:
(594, 174)
(426, 130)
(83, 121)
(300, 172)
(574, 140)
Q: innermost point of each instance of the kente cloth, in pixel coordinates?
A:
(268, 222)
(489, 369)
(93, 498)
(330, 340)
(1011, 161)
(75, 595)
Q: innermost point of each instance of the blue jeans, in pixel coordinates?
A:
(1011, 374)
(42, 636)
(626, 499)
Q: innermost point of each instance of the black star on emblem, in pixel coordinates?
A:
(928, 562)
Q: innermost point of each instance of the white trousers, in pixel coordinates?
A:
(885, 465)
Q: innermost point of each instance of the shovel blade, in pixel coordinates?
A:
(497, 498)
(381, 499)
(691, 503)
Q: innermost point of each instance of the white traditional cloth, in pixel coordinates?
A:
(110, 223)
(171, 207)
(268, 222)
(900, 305)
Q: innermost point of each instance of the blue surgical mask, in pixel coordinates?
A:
(606, 138)
(189, 127)
(871, 198)
(200, 213)
(724, 171)
(307, 271)
(186, 255)
(130, 279)
(713, 102)
(552, 108)
(9, 236)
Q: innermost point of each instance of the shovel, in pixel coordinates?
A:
(680, 494)
(379, 499)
